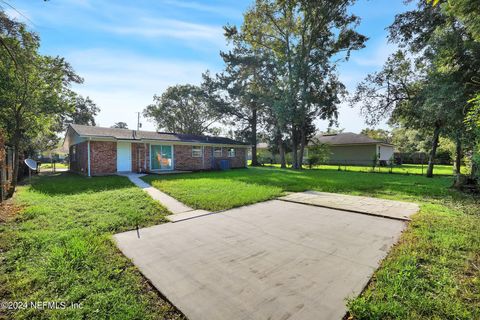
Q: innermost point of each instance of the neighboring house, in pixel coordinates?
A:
(345, 148)
(100, 151)
(355, 149)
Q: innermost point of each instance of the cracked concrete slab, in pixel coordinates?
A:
(187, 215)
(271, 260)
(367, 205)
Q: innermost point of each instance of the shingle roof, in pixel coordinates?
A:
(127, 134)
(346, 138)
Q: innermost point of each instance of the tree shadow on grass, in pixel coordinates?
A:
(70, 184)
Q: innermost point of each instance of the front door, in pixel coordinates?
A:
(161, 157)
(124, 156)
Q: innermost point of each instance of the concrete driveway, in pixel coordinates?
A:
(271, 260)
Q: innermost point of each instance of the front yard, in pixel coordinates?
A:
(432, 273)
(58, 248)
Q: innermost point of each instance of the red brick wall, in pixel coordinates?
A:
(103, 157)
(80, 163)
(185, 161)
(140, 152)
(239, 161)
(235, 162)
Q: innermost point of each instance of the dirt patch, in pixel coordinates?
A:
(8, 210)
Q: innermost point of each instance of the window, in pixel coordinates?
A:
(217, 152)
(196, 152)
(231, 152)
(74, 153)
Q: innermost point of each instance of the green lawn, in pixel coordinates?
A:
(50, 165)
(433, 273)
(439, 169)
(59, 248)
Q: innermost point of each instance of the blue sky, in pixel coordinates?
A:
(127, 51)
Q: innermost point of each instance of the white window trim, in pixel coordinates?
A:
(229, 154)
(216, 149)
(201, 152)
(150, 157)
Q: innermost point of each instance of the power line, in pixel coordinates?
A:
(17, 11)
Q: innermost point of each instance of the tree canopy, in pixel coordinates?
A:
(184, 109)
(306, 40)
(427, 83)
(34, 88)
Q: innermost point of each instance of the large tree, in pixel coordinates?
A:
(84, 111)
(378, 134)
(428, 88)
(306, 38)
(245, 79)
(185, 109)
(34, 89)
(120, 125)
(468, 13)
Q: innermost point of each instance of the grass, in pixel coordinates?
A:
(225, 190)
(433, 273)
(59, 248)
(58, 165)
(439, 169)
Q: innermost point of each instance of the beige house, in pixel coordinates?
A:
(346, 148)
(356, 149)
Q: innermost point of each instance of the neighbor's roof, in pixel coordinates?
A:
(127, 134)
(337, 139)
(347, 138)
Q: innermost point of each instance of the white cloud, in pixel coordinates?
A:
(122, 83)
(131, 22)
(218, 10)
(171, 28)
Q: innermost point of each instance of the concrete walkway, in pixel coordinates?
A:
(173, 205)
(373, 206)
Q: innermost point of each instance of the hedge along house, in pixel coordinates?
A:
(101, 151)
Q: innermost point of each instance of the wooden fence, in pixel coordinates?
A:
(6, 169)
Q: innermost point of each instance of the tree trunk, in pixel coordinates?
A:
(473, 169)
(16, 165)
(458, 162)
(294, 148)
(294, 154)
(431, 159)
(281, 149)
(254, 138)
(302, 148)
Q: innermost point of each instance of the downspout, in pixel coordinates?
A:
(203, 157)
(246, 157)
(144, 157)
(88, 157)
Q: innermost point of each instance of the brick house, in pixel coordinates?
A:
(101, 151)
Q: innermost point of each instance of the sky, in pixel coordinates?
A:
(127, 51)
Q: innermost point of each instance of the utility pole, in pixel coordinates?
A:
(139, 125)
